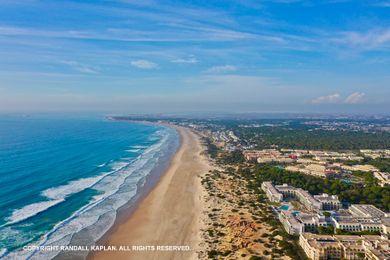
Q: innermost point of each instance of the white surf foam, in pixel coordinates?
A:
(117, 188)
(31, 210)
(116, 166)
(56, 196)
(61, 192)
(138, 146)
(133, 150)
(101, 165)
(2, 251)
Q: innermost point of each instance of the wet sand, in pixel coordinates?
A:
(169, 214)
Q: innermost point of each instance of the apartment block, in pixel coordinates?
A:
(322, 247)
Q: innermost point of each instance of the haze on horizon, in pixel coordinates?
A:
(174, 56)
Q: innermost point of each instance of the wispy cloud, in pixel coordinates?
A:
(336, 98)
(144, 64)
(354, 98)
(373, 39)
(384, 3)
(162, 34)
(189, 60)
(222, 69)
(328, 99)
(81, 67)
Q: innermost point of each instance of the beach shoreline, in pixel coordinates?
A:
(168, 215)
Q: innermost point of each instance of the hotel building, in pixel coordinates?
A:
(321, 247)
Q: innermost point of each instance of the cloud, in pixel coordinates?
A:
(385, 3)
(144, 64)
(373, 39)
(333, 98)
(354, 98)
(189, 60)
(81, 67)
(222, 69)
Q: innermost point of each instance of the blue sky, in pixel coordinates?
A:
(182, 56)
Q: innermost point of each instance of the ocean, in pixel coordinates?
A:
(63, 180)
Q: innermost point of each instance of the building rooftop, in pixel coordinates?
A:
(366, 210)
(326, 198)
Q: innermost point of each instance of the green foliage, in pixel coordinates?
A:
(326, 230)
(383, 164)
(255, 257)
(233, 158)
(300, 137)
(211, 148)
(213, 254)
(368, 177)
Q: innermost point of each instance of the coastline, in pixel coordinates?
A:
(168, 214)
(116, 183)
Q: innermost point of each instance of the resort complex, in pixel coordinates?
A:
(301, 212)
(305, 215)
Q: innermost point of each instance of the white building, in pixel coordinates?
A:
(272, 194)
(329, 202)
(367, 211)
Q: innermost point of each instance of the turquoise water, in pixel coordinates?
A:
(284, 207)
(59, 177)
(296, 213)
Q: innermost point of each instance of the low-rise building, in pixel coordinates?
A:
(314, 169)
(383, 178)
(290, 223)
(321, 247)
(353, 224)
(374, 154)
(328, 202)
(367, 211)
(359, 167)
(272, 194)
(267, 156)
(316, 203)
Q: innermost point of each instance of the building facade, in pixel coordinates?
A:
(323, 247)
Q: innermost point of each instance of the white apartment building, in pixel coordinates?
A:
(272, 194)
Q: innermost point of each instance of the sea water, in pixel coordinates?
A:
(62, 180)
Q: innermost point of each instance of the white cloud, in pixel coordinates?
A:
(189, 60)
(81, 67)
(373, 39)
(335, 98)
(332, 98)
(144, 64)
(354, 98)
(222, 69)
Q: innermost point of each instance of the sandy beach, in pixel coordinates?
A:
(170, 213)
